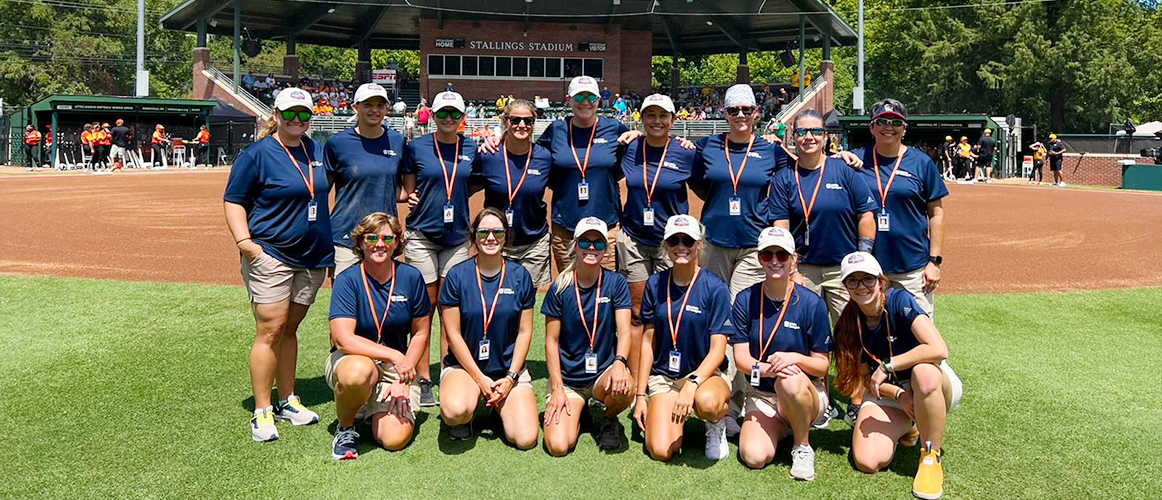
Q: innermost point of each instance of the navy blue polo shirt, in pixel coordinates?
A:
(834, 216)
(428, 216)
(601, 172)
(805, 329)
(707, 314)
(409, 300)
(266, 183)
(901, 310)
(711, 173)
(365, 174)
(530, 217)
(669, 195)
(904, 248)
(517, 294)
(574, 340)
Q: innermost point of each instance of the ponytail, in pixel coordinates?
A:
(266, 127)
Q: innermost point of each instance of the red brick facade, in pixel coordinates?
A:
(627, 58)
(204, 87)
(1093, 170)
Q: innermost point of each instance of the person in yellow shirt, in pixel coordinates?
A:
(807, 79)
(1039, 154)
(500, 103)
(965, 156)
(795, 81)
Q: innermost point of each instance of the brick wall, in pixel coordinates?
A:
(1093, 170)
(637, 67)
(204, 87)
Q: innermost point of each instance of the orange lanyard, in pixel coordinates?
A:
(879, 184)
(645, 166)
(775, 330)
(448, 183)
(591, 332)
(508, 175)
(390, 293)
(589, 146)
(310, 183)
(807, 208)
(888, 324)
(726, 150)
(669, 308)
(484, 310)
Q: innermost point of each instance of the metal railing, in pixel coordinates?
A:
(791, 107)
(228, 84)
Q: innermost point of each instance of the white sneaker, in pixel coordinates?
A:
(1061, 184)
(716, 445)
(803, 463)
(262, 425)
(293, 411)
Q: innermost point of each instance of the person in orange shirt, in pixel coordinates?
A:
(201, 146)
(157, 146)
(104, 144)
(95, 142)
(31, 145)
(46, 149)
(87, 140)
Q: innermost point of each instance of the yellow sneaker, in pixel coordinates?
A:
(929, 482)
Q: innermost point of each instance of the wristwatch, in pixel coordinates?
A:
(936, 259)
(694, 379)
(513, 376)
(622, 359)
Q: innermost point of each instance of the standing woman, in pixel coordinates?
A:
(656, 168)
(686, 314)
(436, 169)
(887, 347)
(585, 352)
(276, 209)
(782, 335)
(202, 147)
(158, 141)
(375, 306)
(826, 206)
(488, 320)
(514, 180)
(87, 143)
(31, 147)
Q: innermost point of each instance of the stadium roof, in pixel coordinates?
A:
(688, 28)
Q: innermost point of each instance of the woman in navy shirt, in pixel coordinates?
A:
(826, 206)
(781, 339)
(888, 349)
(587, 339)
(276, 210)
(375, 306)
(514, 180)
(488, 320)
(686, 314)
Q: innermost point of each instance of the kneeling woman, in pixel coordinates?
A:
(488, 318)
(887, 346)
(375, 306)
(587, 341)
(684, 314)
(782, 334)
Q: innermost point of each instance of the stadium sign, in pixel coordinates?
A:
(147, 108)
(520, 46)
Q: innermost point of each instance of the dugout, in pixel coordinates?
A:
(70, 113)
(927, 132)
(231, 131)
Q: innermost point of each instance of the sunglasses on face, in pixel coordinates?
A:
(780, 255)
(484, 232)
(372, 239)
(683, 239)
(895, 122)
(522, 120)
(595, 244)
(580, 98)
(444, 113)
(290, 115)
(739, 111)
(815, 131)
(852, 282)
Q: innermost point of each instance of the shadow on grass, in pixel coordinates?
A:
(312, 391)
(366, 442)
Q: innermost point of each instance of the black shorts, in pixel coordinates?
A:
(1038, 164)
(1055, 165)
(984, 161)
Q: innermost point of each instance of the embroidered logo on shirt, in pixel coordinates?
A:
(753, 154)
(316, 163)
(904, 173)
(693, 309)
(506, 291)
(907, 310)
(389, 152)
(870, 200)
(670, 165)
(600, 141)
(603, 300)
(791, 324)
(399, 298)
(533, 171)
(832, 185)
(465, 158)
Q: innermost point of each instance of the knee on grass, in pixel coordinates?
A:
(558, 441)
(754, 457)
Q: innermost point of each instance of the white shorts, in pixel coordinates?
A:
(957, 391)
(767, 403)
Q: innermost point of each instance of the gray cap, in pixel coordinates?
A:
(739, 95)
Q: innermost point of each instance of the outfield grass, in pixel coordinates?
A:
(140, 390)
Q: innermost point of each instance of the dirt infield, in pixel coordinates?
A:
(169, 226)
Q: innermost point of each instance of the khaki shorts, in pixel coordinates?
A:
(638, 261)
(953, 379)
(562, 244)
(825, 282)
(534, 257)
(583, 394)
(433, 260)
(387, 376)
(268, 280)
(661, 384)
(738, 267)
(767, 403)
(913, 283)
(522, 380)
(344, 258)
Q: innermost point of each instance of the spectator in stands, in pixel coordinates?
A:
(423, 116)
(795, 81)
(500, 102)
(448, 88)
(409, 126)
(471, 111)
(399, 107)
(807, 79)
(606, 97)
(32, 139)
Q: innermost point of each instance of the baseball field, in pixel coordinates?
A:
(124, 335)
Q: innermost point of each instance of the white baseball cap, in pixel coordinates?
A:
(659, 100)
(591, 224)
(683, 224)
(856, 262)
(448, 100)
(291, 97)
(369, 90)
(583, 84)
(776, 237)
(739, 95)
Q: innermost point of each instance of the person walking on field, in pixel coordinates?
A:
(984, 156)
(1039, 154)
(31, 145)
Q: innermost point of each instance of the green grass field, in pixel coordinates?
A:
(140, 390)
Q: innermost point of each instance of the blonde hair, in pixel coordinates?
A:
(266, 127)
(569, 273)
(372, 223)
